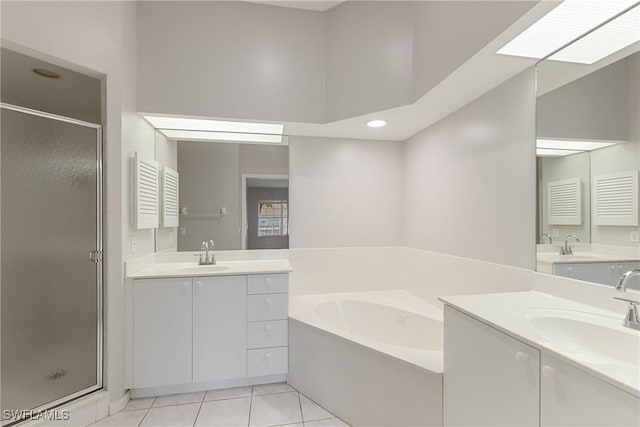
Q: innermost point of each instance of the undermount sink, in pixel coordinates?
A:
(593, 334)
(203, 269)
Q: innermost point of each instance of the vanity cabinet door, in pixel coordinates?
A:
(162, 332)
(572, 271)
(599, 272)
(219, 328)
(570, 397)
(491, 379)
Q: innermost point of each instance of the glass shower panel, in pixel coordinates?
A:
(50, 288)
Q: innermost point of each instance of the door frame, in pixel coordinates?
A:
(99, 260)
(244, 224)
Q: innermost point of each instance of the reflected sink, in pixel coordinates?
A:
(201, 269)
(589, 333)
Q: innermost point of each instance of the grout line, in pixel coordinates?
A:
(195, 420)
(300, 405)
(148, 409)
(250, 406)
(226, 398)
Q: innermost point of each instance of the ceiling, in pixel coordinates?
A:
(320, 6)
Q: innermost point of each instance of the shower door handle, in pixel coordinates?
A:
(95, 256)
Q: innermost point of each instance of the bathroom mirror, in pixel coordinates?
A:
(236, 194)
(588, 159)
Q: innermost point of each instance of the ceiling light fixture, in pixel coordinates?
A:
(562, 25)
(615, 35)
(545, 152)
(217, 130)
(573, 144)
(376, 123)
(46, 73)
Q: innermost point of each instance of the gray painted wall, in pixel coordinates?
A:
(470, 179)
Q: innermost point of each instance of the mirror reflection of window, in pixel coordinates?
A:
(273, 218)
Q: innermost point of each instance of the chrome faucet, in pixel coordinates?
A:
(548, 236)
(632, 318)
(207, 258)
(566, 249)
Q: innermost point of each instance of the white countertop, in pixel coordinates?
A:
(513, 312)
(223, 268)
(581, 258)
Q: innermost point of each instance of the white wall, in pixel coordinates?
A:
(97, 38)
(230, 59)
(345, 192)
(470, 179)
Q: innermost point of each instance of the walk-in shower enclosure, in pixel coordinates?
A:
(51, 271)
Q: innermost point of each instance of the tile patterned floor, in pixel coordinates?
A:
(258, 406)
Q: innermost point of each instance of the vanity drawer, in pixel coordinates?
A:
(268, 284)
(267, 307)
(267, 361)
(267, 334)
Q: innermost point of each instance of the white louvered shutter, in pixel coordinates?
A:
(615, 199)
(146, 193)
(564, 199)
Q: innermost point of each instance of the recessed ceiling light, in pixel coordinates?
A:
(613, 36)
(217, 130)
(46, 73)
(564, 24)
(574, 144)
(376, 123)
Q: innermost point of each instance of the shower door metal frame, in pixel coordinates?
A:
(99, 260)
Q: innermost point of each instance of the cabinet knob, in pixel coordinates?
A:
(522, 358)
(569, 268)
(267, 300)
(185, 284)
(549, 373)
(267, 355)
(267, 280)
(198, 283)
(267, 328)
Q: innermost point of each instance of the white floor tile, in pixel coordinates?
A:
(259, 390)
(331, 422)
(228, 393)
(122, 419)
(224, 413)
(144, 403)
(178, 399)
(311, 411)
(275, 409)
(172, 416)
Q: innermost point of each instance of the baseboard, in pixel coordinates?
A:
(119, 404)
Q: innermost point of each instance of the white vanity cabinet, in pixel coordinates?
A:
(493, 379)
(490, 378)
(606, 273)
(162, 332)
(219, 328)
(196, 333)
(571, 397)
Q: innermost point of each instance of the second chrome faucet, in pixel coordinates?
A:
(208, 258)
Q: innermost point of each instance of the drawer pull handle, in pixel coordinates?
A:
(522, 358)
(549, 373)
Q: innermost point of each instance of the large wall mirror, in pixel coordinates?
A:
(588, 157)
(232, 193)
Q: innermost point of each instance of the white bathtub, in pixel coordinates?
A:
(372, 358)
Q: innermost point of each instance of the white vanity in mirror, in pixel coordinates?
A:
(197, 327)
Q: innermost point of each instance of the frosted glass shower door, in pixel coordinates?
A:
(51, 270)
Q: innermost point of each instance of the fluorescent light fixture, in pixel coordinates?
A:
(545, 152)
(615, 35)
(376, 123)
(573, 144)
(217, 130)
(564, 24)
(196, 135)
